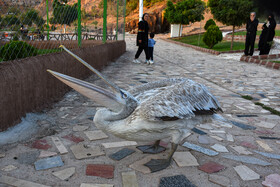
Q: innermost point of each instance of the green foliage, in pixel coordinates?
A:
(131, 5)
(10, 20)
(208, 23)
(212, 36)
(148, 3)
(16, 49)
(184, 12)
(53, 28)
(63, 13)
(14, 10)
(233, 12)
(32, 16)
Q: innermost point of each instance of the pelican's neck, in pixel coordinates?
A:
(104, 117)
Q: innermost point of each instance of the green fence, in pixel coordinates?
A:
(29, 28)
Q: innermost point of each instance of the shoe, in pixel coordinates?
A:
(147, 62)
(151, 62)
(136, 61)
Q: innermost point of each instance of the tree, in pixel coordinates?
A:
(184, 12)
(63, 13)
(32, 16)
(209, 23)
(267, 6)
(233, 12)
(10, 20)
(212, 36)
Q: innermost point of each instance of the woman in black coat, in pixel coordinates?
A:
(267, 35)
(142, 38)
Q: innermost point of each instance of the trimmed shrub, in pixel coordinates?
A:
(16, 49)
(208, 23)
(212, 36)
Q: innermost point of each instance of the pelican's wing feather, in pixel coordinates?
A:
(183, 99)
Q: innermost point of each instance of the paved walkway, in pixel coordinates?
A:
(81, 153)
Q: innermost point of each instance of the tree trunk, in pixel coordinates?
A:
(180, 31)
(64, 29)
(232, 37)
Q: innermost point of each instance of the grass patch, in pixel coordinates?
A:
(247, 97)
(276, 61)
(277, 33)
(221, 46)
(273, 111)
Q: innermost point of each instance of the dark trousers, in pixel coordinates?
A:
(151, 53)
(250, 44)
(139, 51)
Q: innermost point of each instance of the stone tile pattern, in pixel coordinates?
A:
(175, 181)
(100, 170)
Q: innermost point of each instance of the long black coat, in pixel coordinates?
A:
(143, 31)
(266, 37)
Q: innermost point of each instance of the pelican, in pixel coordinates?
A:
(150, 112)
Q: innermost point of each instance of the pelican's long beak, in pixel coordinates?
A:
(110, 100)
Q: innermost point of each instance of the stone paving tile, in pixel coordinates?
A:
(28, 157)
(41, 144)
(175, 181)
(65, 173)
(205, 126)
(118, 144)
(121, 154)
(44, 154)
(217, 138)
(185, 159)
(81, 151)
(220, 180)
(100, 170)
(211, 167)
(272, 180)
(246, 173)
(240, 150)
(266, 125)
(229, 138)
(269, 138)
(95, 135)
(59, 145)
(269, 155)
(139, 165)
(247, 159)
(217, 131)
(264, 146)
(73, 138)
(2, 155)
(47, 163)
(96, 185)
(198, 131)
(9, 168)
(219, 148)
(78, 128)
(203, 139)
(19, 182)
(129, 179)
(243, 126)
(248, 145)
(200, 149)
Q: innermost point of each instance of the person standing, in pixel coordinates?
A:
(267, 35)
(142, 38)
(251, 27)
(151, 44)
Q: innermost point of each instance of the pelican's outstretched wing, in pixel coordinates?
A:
(183, 99)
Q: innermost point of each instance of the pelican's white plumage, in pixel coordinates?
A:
(150, 112)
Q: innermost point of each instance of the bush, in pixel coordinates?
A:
(208, 23)
(17, 49)
(212, 36)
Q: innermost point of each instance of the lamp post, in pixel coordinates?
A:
(140, 9)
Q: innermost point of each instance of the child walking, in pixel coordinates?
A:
(151, 44)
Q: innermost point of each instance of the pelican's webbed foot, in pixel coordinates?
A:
(152, 149)
(158, 164)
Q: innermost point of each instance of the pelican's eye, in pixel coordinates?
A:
(124, 95)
